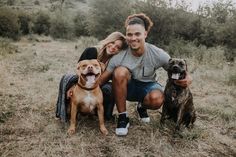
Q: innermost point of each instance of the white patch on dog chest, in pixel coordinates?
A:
(89, 100)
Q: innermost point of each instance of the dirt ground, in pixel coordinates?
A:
(29, 81)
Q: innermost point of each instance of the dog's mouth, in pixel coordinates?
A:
(175, 76)
(90, 77)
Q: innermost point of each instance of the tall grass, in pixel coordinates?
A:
(6, 47)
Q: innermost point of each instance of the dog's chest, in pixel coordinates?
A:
(175, 95)
(89, 101)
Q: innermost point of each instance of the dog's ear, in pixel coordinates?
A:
(78, 69)
(103, 66)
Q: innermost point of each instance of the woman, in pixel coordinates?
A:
(106, 48)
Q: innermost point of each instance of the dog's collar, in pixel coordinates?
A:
(86, 87)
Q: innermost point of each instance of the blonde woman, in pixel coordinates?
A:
(105, 49)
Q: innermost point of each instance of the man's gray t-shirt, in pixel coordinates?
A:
(142, 68)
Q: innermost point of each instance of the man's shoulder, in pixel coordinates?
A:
(155, 51)
(154, 48)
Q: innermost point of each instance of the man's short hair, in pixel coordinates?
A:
(141, 19)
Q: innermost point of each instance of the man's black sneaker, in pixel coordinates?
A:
(122, 125)
(142, 112)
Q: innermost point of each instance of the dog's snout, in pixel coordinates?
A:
(90, 67)
(175, 67)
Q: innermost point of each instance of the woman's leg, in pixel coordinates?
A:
(108, 100)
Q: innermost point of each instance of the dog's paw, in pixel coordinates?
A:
(71, 131)
(104, 131)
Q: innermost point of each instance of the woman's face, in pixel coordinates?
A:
(114, 47)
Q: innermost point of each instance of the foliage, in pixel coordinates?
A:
(25, 21)
(61, 26)
(36, 2)
(107, 16)
(232, 79)
(6, 47)
(80, 24)
(41, 24)
(9, 26)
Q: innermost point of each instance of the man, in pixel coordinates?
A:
(133, 72)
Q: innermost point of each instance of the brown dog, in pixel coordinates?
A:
(86, 97)
(178, 104)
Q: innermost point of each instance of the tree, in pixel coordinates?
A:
(107, 16)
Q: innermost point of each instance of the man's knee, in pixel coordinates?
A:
(121, 73)
(154, 100)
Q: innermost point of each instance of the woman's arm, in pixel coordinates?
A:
(106, 75)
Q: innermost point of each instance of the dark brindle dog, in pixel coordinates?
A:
(178, 104)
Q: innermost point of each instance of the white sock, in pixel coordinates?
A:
(124, 113)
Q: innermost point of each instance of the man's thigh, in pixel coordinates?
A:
(137, 90)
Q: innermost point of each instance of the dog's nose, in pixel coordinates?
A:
(90, 67)
(175, 67)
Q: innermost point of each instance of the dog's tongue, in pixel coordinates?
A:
(90, 79)
(175, 76)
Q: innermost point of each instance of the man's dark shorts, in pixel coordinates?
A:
(137, 90)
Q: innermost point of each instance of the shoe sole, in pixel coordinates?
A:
(122, 131)
(145, 120)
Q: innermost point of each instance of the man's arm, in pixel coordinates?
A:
(106, 75)
(184, 82)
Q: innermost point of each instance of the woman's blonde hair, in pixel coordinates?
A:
(110, 38)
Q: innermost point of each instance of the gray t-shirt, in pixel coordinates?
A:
(142, 68)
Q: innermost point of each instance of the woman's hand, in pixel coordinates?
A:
(184, 82)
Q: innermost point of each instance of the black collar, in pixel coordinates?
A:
(86, 87)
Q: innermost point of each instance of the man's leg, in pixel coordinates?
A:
(120, 80)
(121, 76)
(153, 100)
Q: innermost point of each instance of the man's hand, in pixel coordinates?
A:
(184, 82)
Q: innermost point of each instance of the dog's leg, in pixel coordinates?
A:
(180, 117)
(73, 119)
(101, 119)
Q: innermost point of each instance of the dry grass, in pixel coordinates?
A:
(29, 85)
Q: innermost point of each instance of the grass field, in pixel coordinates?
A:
(29, 81)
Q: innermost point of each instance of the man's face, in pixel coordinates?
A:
(135, 36)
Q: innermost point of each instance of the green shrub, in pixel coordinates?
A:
(61, 26)
(41, 24)
(10, 2)
(181, 48)
(24, 20)
(36, 2)
(9, 26)
(6, 47)
(107, 16)
(80, 24)
(232, 79)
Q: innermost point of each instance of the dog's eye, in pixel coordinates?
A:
(84, 66)
(172, 63)
(96, 65)
(181, 63)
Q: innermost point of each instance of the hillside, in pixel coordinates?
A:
(29, 84)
